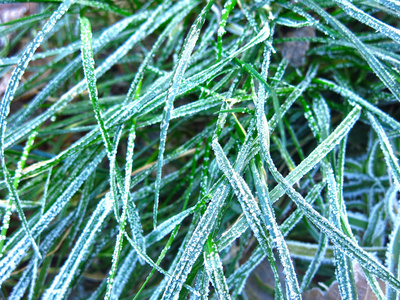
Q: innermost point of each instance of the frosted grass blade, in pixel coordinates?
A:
(337, 237)
(360, 101)
(173, 89)
(138, 235)
(299, 89)
(321, 128)
(167, 226)
(17, 177)
(213, 267)
(203, 228)
(369, 20)
(316, 262)
(228, 6)
(10, 261)
(80, 251)
(90, 78)
(237, 229)
(373, 62)
(105, 37)
(256, 221)
(123, 274)
(343, 265)
(202, 285)
(276, 235)
(319, 153)
(391, 159)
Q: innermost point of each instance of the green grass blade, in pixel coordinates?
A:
(10, 261)
(319, 153)
(79, 253)
(125, 196)
(373, 62)
(228, 6)
(369, 20)
(88, 67)
(254, 218)
(213, 267)
(173, 90)
(17, 177)
(354, 98)
(392, 257)
(391, 159)
(316, 262)
(337, 237)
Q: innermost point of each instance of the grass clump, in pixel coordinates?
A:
(166, 149)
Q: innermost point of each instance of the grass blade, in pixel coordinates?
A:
(391, 159)
(173, 90)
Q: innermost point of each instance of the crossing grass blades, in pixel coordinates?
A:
(166, 149)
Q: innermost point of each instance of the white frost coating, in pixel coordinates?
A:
(82, 248)
(299, 89)
(337, 237)
(195, 244)
(323, 115)
(173, 90)
(13, 257)
(215, 272)
(81, 86)
(352, 97)
(358, 14)
(256, 221)
(391, 159)
(22, 64)
(19, 289)
(233, 233)
(124, 271)
(167, 226)
(316, 262)
(202, 286)
(98, 43)
(320, 152)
